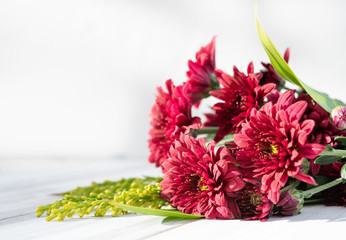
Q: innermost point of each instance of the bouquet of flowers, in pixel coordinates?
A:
(264, 149)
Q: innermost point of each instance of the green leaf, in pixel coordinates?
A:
(343, 173)
(334, 152)
(324, 160)
(282, 68)
(227, 138)
(330, 156)
(210, 137)
(340, 139)
(277, 61)
(322, 99)
(156, 212)
(320, 179)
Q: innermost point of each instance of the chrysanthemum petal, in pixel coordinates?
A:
(305, 178)
(311, 150)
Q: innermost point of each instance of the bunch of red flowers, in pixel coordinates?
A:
(257, 164)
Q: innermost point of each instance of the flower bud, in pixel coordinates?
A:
(40, 210)
(339, 117)
(89, 210)
(70, 214)
(290, 203)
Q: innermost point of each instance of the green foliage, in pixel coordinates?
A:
(330, 156)
(96, 198)
(157, 212)
(340, 139)
(210, 137)
(276, 60)
(326, 159)
(226, 139)
(334, 152)
(282, 68)
(214, 85)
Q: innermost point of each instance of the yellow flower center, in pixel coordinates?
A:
(203, 187)
(274, 149)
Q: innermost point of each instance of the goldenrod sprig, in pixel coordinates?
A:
(95, 198)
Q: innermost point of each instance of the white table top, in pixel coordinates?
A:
(27, 183)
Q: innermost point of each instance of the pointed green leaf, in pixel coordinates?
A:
(277, 61)
(330, 156)
(282, 68)
(334, 152)
(322, 99)
(324, 160)
(156, 212)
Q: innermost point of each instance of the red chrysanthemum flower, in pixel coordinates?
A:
(253, 204)
(274, 142)
(324, 131)
(240, 94)
(269, 75)
(201, 73)
(170, 115)
(198, 181)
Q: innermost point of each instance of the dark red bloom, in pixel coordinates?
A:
(324, 131)
(198, 181)
(335, 196)
(253, 204)
(240, 94)
(201, 73)
(170, 116)
(331, 171)
(269, 75)
(273, 96)
(274, 142)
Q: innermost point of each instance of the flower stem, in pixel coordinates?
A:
(207, 130)
(291, 186)
(312, 201)
(310, 192)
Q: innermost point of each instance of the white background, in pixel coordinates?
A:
(78, 78)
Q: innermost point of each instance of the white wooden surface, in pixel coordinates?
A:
(28, 183)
